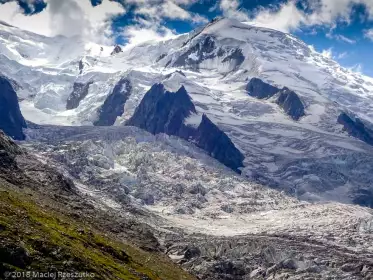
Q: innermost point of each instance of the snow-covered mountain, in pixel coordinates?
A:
(160, 132)
(321, 152)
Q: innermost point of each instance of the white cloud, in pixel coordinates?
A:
(345, 39)
(230, 8)
(169, 9)
(173, 11)
(327, 53)
(340, 37)
(67, 17)
(358, 68)
(155, 11)
(12, 14)
(137, 35)
(368, 34)
(342, 55)
(288, 16)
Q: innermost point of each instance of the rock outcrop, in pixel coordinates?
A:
(211, 139)
(80, 91)
(117, 49)
(113, 106)
(11, 119)
(207, 49)
(287, 99)
(290, 102)
(162, 111)
(261, 90)
(356, 128)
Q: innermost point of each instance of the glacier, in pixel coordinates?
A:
(289, 213)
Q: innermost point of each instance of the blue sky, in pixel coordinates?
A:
(342, 29)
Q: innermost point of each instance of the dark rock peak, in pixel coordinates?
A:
(210, 138)
(80, 91)
(259, 89)
(356, 128)
(117, 49)
(162, 111)
(113, 106)
(11, 119)
(290, 102)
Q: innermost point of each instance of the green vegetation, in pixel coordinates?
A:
(33, 238)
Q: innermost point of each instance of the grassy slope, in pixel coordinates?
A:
(35, 238)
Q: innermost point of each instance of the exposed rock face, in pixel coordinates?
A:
(162, 111)
(205, 50)
(117, 49)
(210, 138)
(113, 106)
(259, 89)
(80, 91)
(81, 66)
(356, 128)
(291, 103)
(11, 119)
(8, 152)
(287, 99)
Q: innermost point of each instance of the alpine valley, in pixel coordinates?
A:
(231, 152)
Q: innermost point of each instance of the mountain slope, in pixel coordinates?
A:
(214, 223)
(305, 152)
(115, 199)
(47, 226)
